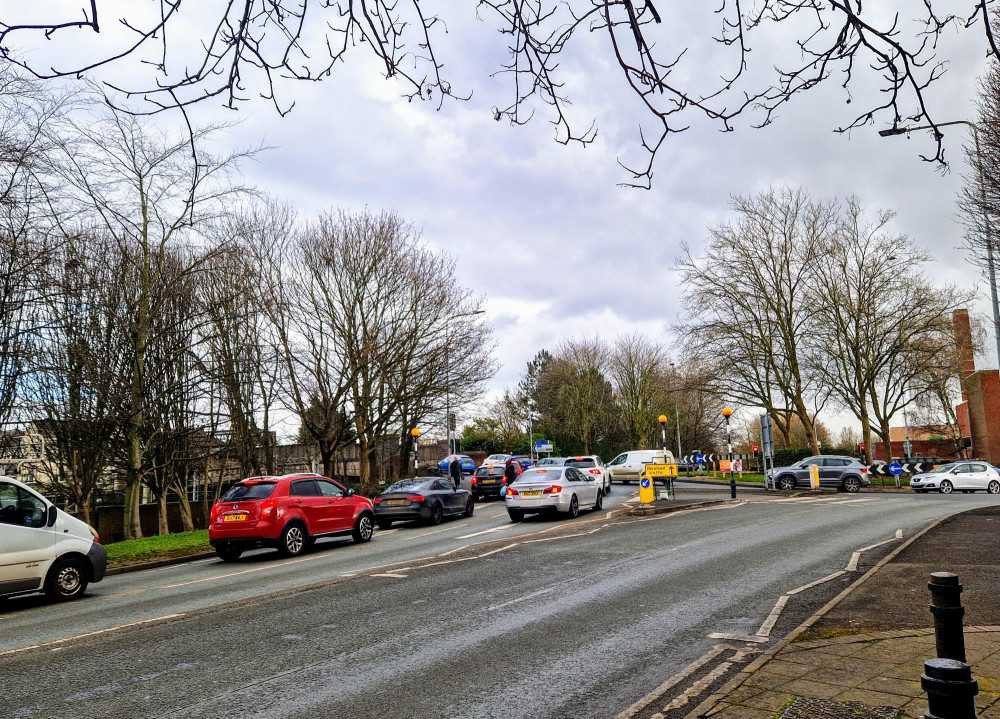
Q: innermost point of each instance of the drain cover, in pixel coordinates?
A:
(804, 708)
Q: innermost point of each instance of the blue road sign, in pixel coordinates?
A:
(543, 445)
(644, 483)
(895, 469)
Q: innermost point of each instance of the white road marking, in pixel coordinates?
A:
(539, 593)
(772, 618)
(852, 563)
(695, 689)
(243, 571)
(390, 575)
(64, 640)
(349, 574)
(380, 532)
(857, 501)
(899, 534)
(672, 682)
(501, 528)
(823, 580)
(738, 637)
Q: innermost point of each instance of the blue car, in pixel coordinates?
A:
(468, 464)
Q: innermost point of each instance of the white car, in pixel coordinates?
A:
(963, 476)
(496, 459)
(553, 489)
(592, 464)
(44, 549)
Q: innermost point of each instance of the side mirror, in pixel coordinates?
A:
(350, 492)
(52, 514)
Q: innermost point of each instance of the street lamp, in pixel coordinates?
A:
(662, 419)
(991, 267)
(447, 370)
(727, 412)
(677, 415)
(415, 433)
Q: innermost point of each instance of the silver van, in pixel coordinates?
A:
(627, 466)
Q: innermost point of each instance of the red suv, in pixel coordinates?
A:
(287, 513)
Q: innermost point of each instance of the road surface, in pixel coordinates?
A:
(476, 618)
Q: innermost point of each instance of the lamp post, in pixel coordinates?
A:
(677, 416)
(415, 433)
(987, 229)
(662, 419)
(727, 412)
(447, 370)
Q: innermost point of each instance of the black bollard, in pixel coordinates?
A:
(946, 606)
(951, 690)
(732, 485)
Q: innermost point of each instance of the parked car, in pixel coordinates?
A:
(566, 490)
(288, 513)
(963, 476)
(525, 461)
(44, 549)
(495, 459)
(468, 463)
(430, 499)
(487, 482)
(551, 462)
(627, 466)
(846, 474)
(591, 464)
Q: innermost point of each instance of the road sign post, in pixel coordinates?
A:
(647, 494)
(543, 446)
(666, 472)
(895, 469)
(767, 448)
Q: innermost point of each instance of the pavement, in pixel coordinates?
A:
(476, 618)
(863, 657)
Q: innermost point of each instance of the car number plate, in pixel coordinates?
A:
(489, 481)
(532, 493)
(397, 502)
(235, 518)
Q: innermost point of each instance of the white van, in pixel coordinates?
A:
(44, 549)
(627, 466)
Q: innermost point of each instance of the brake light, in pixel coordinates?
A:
(554, 489)
(503, 480)
(94, 535)
(473, 481)
(268, 509)
(377, 500)
(512, 492)
(215, 511)
(416, 497)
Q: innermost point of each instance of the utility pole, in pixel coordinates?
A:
(727, 412)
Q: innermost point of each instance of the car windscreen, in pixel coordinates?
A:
(407, 485)
(581, 462)
(494, 471)
(241, 492)
(540, 475)
(551, 462)
(946, 467)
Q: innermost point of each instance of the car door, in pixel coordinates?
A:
(831, 470)
(305, 496)
(802, 470)
(26, 543)
(337, 511)
(614, 467)
(979, 476)
(585, 484)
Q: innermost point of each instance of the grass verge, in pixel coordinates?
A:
(164, 546)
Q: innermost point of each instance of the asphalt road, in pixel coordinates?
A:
(476, 618)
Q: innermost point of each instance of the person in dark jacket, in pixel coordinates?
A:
(510, 471)
(455, 471)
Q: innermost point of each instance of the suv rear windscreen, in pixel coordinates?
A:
(240, 492)
(493, 471)
(581, 462)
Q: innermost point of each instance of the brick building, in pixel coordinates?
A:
(979, 413)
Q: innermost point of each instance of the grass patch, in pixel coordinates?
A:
(159, 547)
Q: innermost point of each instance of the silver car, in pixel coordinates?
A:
(962, 476)
(553, 489)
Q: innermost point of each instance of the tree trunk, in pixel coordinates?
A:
(866, 435)
(163, 524)
(187, 519)
(86, 509)
(326, 455)
(132, 519)
(364, 466)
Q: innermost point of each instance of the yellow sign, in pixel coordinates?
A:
(647, 489)
(661, 470)
(725, 465)
(814, 476)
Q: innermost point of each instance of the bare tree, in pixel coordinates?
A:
(637, 367)
(881, 328)
(748, 299)
(244, 49)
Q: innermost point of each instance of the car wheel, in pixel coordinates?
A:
(293, 540)
(384, 523)
(574, 507)
(947, 487)
(786, 483)
(227, 553)
(994, 487)
(607, 490)
(67, 579)
(437, 514)
(852, 485)
(516, 515)
(470, 508)
(599, 502)
(364, 528)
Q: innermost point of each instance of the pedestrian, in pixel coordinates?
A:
(512, 470)
(455, 470)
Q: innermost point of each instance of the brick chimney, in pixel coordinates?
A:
(962, 327)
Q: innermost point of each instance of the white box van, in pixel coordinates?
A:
(44, 549)
(627, 466)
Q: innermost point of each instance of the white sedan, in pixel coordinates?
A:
(962, 476)
(553, 489)
(592, 464)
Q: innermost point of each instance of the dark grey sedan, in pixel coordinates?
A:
(429, 499)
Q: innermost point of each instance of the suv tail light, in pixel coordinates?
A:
(377, 500)
(512, 492)
(268, 509)
(473, 481)
(416, 498)
(554, 489)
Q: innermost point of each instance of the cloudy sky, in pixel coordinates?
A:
(541, 230)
